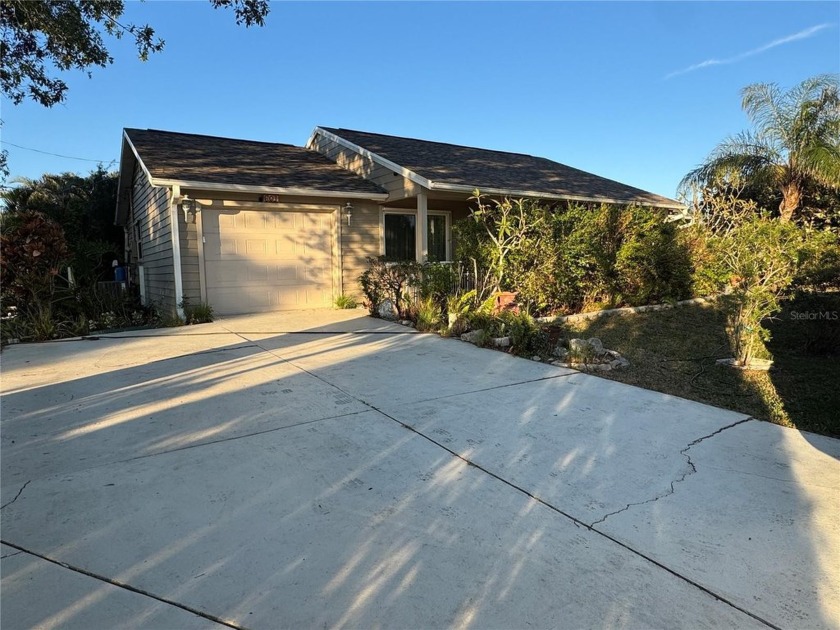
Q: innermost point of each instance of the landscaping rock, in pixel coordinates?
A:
(387, 310)
(473, 336)
(598, 367)
(536, 358)
(597, 346)
(501, 342)
(407, 322)
(560, 352)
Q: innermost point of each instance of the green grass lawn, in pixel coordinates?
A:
(674, 352)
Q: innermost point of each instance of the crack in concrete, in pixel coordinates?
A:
(577, 522)
(16, 496)
(692, 469)
(9, 555)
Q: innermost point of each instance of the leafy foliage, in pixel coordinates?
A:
(84, 208)
(38, 301)
(507, 224)
(39, 37)
(427, 314)
(384, 280)
(577, 256)
(345, 302)
(32, 251)
(755, 262)
(200, 313)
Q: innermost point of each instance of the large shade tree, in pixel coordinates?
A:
(41, 39)
(795, 143)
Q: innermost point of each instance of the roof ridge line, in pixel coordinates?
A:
(335, 130)
(205, 135)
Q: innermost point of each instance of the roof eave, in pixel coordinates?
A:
(543, 195)
(128, 159)
(393, 166)
(276, 190)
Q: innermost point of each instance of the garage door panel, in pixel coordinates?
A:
(262, 261)
(256, 299)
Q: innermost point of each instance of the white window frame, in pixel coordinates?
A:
(413, 212)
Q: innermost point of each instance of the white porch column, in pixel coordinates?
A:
(422, 228)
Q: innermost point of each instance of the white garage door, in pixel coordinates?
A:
(258, 261)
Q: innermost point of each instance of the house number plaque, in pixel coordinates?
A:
(270, 198)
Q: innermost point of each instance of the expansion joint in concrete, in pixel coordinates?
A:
(122, 585)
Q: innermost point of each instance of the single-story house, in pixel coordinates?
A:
(252, 226)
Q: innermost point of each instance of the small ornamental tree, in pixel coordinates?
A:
(507, 222)
(32, 251)
(389, 281)
(762, 257)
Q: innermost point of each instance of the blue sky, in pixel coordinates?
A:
(638, 92)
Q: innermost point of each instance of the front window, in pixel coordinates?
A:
(437, 237)
(399, 237)
(400, 241)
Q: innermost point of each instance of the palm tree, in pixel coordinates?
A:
(796, 140)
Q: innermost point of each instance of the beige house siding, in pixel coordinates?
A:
(397, 186)
(190, 274)
(358, 241)
(150, 217)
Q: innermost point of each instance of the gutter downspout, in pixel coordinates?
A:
(175, 230)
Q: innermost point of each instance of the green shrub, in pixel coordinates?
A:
(427, 315)
(820, 262)
(200, 313)
(527, 338)
(507, 224)
(345, 302)
(758, 261)
(436, 282)
(574, 257)
(652, 263)
(167, 319)
(389, 281)
(109, 309)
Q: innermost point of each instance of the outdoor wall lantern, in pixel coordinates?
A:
(190, 208)
(348, 212)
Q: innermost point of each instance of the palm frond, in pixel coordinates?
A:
(740, 156)
(822, 162)
(764, 106)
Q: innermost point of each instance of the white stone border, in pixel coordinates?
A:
(621, 311)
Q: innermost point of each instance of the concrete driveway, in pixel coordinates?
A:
(326, 469)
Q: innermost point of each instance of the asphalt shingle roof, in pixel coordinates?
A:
(487, 169)
(196, 158)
